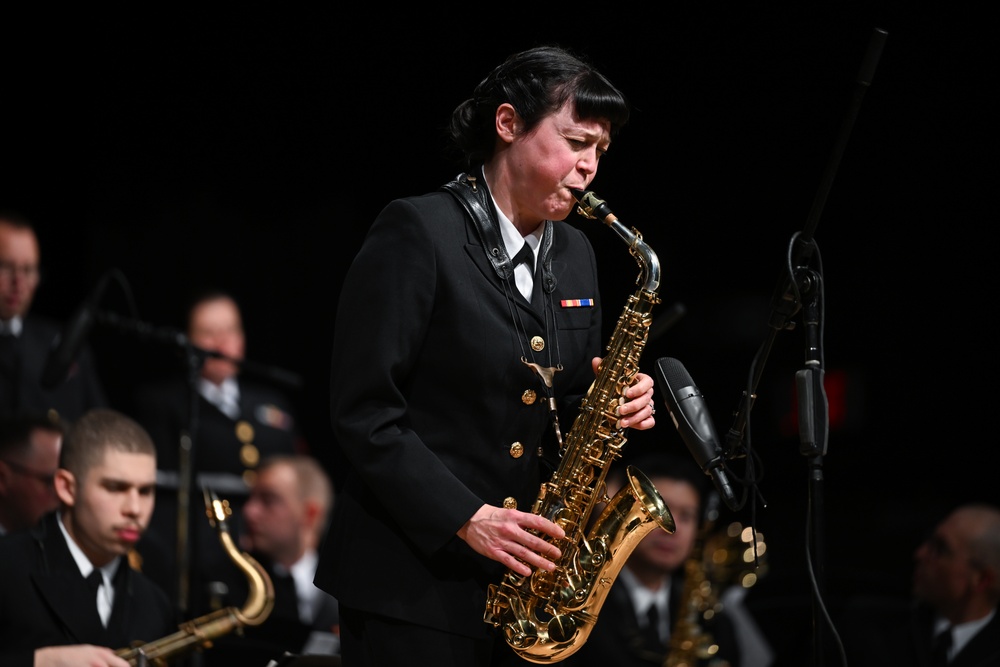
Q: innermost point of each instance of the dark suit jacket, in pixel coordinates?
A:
(617, 639)
(163, 409)
(45, 602)
(281, 632)
(428, 397)
(881, 631)
(21, 388)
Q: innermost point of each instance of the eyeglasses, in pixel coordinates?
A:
(24, 271)
(45, 478)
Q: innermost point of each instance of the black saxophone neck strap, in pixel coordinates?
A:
(475, 198)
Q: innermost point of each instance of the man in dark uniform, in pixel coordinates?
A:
(233, 424)
(285, 520)
(26, 341)
(67, 594)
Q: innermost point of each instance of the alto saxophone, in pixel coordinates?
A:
(547, 616)
(200, 632)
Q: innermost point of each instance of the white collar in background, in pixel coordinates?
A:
(225, 396)
(14, 325)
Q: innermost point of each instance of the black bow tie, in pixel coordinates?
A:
(527, 256)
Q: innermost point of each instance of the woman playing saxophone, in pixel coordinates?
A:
(454, 362)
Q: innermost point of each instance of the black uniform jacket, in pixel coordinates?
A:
(434, 409)
(22, 367)
(618, 640)
(44, 601)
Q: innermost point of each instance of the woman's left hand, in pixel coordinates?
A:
(637, 409)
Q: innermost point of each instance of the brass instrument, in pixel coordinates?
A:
(721, 558)
(548, 616)
(200, 632)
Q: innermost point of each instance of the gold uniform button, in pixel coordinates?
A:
(516, 450)
(529, 396)
(249, 455)
(510, 503)
(537, 343)
(244, 431)
(249, 476)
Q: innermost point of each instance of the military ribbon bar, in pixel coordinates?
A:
(576, 303)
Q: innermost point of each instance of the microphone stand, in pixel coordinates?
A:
(800, 289)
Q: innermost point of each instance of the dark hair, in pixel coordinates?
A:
(536, 82)
(97, 431)
(15, 432)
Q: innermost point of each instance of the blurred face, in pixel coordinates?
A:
(18, 270)
(27, 481)
(662, 551)
(216, 326)
(943, 575)
(560, 153)
(275, 515)
(108, 510)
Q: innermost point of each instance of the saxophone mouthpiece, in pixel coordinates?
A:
(590, 206)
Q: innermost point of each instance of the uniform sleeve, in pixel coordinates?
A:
(385, 308)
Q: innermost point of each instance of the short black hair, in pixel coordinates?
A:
(536, 82)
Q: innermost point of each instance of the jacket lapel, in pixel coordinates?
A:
(64, 589)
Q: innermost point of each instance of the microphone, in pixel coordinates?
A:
(66, 345)
(690, 415)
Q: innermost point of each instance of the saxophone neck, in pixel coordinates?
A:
(591, 206)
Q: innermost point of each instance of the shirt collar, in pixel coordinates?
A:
(512, 239)
(642, 597)
(86, 567)
(962, 633)
(14, 325)
(225, 396)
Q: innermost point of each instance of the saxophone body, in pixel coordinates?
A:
(547, 616)
(199, 633)
(721, 558)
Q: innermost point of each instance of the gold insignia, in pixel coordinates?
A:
(516, 450)
(537, 343)
(529, 396)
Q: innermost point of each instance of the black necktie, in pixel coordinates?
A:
(10, 365)
(651, 633)
(286, 600)
(940, 647)
(94, 581)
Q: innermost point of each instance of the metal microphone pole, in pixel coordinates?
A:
(800, 290)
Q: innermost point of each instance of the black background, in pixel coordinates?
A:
(252, 151)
